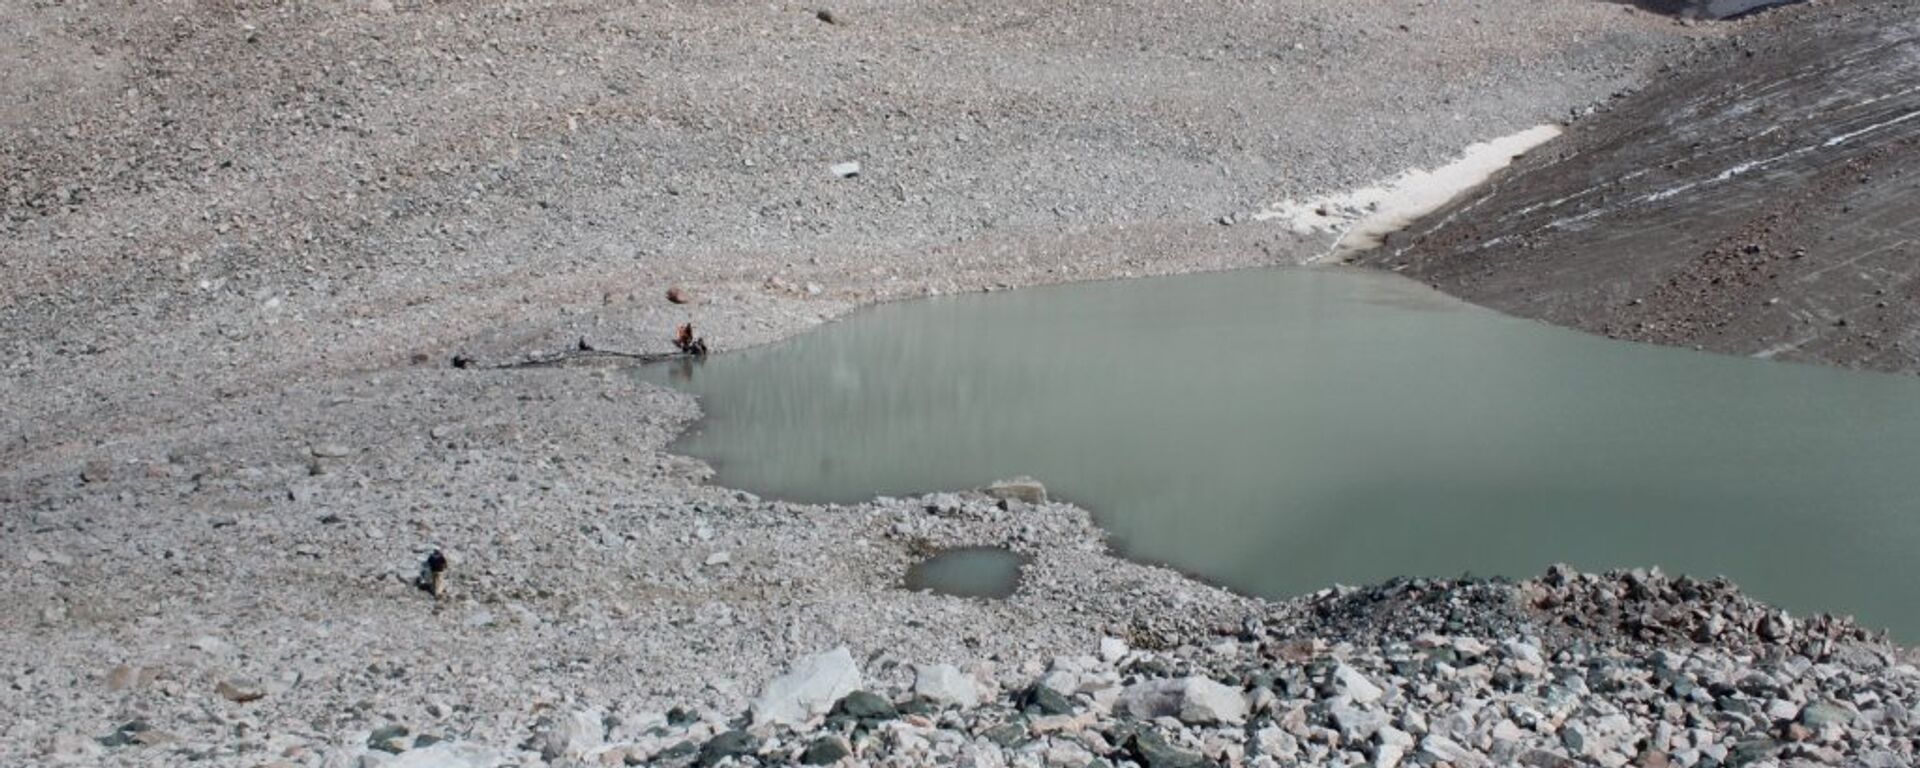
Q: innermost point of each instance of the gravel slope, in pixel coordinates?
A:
(243, 242)
(1757, 199)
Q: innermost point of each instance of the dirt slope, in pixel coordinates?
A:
(1759, 199)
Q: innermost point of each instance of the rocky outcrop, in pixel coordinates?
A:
(1757, 199)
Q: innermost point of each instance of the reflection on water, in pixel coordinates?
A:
(1278, 431)
(969, 572)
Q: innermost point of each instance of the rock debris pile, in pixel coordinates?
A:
(1627, 668)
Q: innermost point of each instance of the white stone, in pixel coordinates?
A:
(1276, 742)
(1068, 755)
(1467, 646)
(982, 754)
(449, 754)
(1356, 724)
(1112, 649)
(1391, 736)
(1442, 748)
(1356, 685)
(1194, 700)
(1523, 651)
(1262, 700)
(573, 735)
(1052, 724)
(1062, 681)
(846, 170)
(808, 690)
(1096, 681)
(946, 684)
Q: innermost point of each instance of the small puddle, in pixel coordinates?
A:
(1278, 431)
(989, 572)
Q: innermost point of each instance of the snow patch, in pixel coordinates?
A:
(1363, 217)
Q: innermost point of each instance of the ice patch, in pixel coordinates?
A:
(1363, 217)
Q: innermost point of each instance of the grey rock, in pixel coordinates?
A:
(329, 451)
(1576, 737)
(826, 750)
(1152, 751)
(1540, 758)
(1752, 751)
(865, 706)
(391, 739)
(125, 735)
(96, 471)
(1823, 713)
(733, 743)
(1021, 488)
(944, 504)
(1041, 699)
(1009, 735)
(240, 690)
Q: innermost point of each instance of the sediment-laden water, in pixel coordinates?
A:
(990, 572)
(1278, 431)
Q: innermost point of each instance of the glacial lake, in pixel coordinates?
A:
(1279, 431)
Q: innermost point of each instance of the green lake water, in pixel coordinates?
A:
(1279, 431)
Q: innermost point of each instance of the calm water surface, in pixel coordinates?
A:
(1278, 431)
(969, 572)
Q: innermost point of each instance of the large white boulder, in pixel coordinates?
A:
(1195, 700)
(946, 684)
(1356, 685)
(808, 690)
(450, 754)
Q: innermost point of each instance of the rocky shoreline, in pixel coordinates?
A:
(1571, 669)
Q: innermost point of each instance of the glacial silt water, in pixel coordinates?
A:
(1279, 431)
